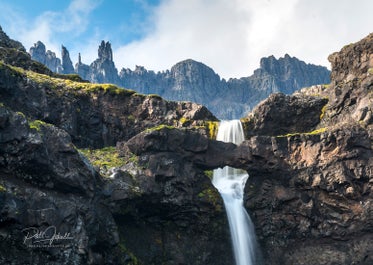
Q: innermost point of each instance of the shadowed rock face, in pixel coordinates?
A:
(320, 199)
(46, 185)
(45, 182)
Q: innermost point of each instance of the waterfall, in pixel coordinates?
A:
(230, 182)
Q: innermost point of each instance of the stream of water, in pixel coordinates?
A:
(230, 182)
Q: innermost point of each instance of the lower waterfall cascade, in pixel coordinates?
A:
(230, 183)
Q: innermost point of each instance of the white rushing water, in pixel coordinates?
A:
(231, 182)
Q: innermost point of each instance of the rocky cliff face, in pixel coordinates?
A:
(318, 208)
(55, 208)
(193, 81)
(94, 115)
(45, 185)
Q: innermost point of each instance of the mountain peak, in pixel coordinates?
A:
(104, 51)
(193, 67)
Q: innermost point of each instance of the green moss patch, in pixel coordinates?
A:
(37, 125)
(160, 127)
(314, 132)
(212, 128)
(106, 157)
(323, 110)
(212, 196)
(70, 82)
(209, 173)
(2, 188)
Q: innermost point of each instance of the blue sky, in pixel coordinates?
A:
(228, 35)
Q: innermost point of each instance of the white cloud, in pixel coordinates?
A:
(46, 27)
(232, 35)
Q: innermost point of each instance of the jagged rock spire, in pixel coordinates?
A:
(103, 70)
(81, 68)
(38, 52)
(105, 52)
(67, 65)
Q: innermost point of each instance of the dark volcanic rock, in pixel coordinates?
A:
(203, 152)
(317, 208)
(43, 155)
(352, 61)
(351, 87)
(47, 188)
(282, 114)
(178, 209)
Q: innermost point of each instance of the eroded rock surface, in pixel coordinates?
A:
(94, 115)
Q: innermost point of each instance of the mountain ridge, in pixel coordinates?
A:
(190, 80)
